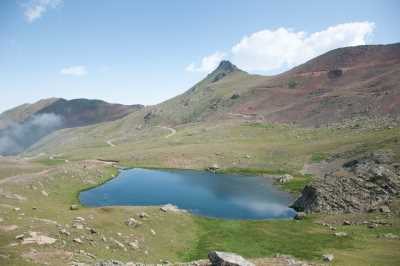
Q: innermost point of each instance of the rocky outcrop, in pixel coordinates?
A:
(360, 185)
(218, 258)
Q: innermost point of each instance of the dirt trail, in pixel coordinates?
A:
(172, 132)
(109, 142)
(23, 177)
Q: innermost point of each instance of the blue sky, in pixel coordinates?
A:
(148, 51)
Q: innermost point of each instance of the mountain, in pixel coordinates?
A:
(360, 82)
(24, 125)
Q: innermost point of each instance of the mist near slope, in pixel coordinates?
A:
(19, 136)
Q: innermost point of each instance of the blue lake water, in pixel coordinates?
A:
(202, 193)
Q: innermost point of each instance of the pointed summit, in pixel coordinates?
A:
(224, 68)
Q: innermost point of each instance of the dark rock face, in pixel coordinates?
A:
(335, 73)
(361, 185)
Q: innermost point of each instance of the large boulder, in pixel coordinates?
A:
(218, 258)
(360, 185)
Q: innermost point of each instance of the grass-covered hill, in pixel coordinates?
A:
(336, 88)
(24, 125)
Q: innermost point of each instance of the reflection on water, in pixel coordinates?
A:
(202, 193)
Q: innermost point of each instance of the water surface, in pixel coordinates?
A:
(202, 193)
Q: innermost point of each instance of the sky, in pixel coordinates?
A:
(145, 52)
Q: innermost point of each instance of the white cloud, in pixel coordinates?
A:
(34, 9)
(74, 71)
(268, 50)
(274, 50)
(207, 64)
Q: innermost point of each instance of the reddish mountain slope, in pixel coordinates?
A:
(341, 84)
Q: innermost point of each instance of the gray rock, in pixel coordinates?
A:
(285, 178)
(78, 240)
(300, 216)
(328, 257)
(133, 222)
(74, 207)
(341, 234)
(213, 167)
(346, 222)
(385, 209)
(218, 258)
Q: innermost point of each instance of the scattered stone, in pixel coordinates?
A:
(110, 263)
(213, 168)
(17, 209)
(300, 216)
(134, 244)
(341, 234)
(328, 257)
(19, 237)
(65, 232)
(153, 232)
(389, 236)
(133, 222)
(37, 238)
(384, 209)
(119, 244)
(143, 215)
(346, 222)
(92, 231)
(218, 258)
(372, 225)
(34, 208)
(44, 193)
(74, 207)
(1, 220)
(78, 226)
(285, 178)
(78, 240)
(78, 219)
(170, 208)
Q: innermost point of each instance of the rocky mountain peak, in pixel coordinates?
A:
(226, 66)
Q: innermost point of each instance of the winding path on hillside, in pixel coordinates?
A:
(109, 142)
(172, 131)
(247, 116)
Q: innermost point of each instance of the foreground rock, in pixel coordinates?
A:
(227, 259)
(170, 208)
(37, 238)
(361, 185)
(285, 178)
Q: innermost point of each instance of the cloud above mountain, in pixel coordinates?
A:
(207, 64)
(74, 71)
(282, 48)
(35, 9)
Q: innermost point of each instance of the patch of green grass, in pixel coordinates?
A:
(256, 239)
(251, 171)
(317, 157)
(51, 162)
(297, 184)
